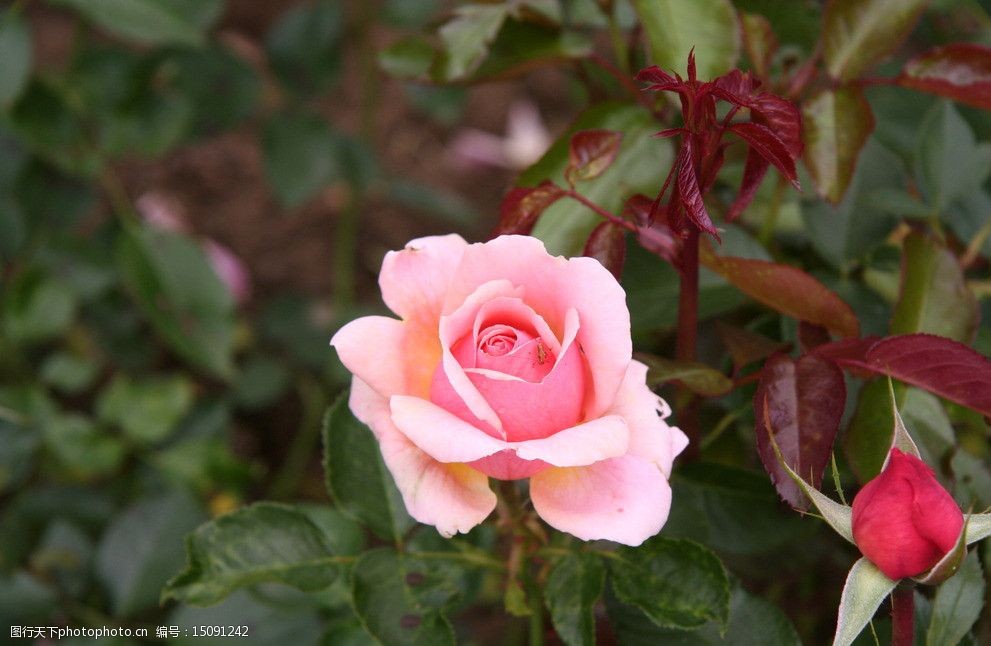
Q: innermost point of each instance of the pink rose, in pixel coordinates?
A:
(511, 363)
(904, 521)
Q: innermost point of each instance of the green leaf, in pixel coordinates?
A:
(37, 307)
(836, 125)
(934, 295)
(573, 586)
(699, 378)
(753, 621)
(146, 410)
(142, 547)
(260, 383)
(15, 52)
(19, 442)
(641, 160)
(858, 33)
(173, 283)
(865, 589)
(677, 583)
(399, 599)
(45, 121)
(675, 27)
(978, 527)
(520, 46)
(269, 624)
(24, 598)
(69, 373)
(847, 232)
(949, 163)
(81, 447)
(300, 157)
(263, 543)
(150, 22)
(410, 58)
(958, 600)
(199, 75)
(731, 510)
(304, 46)
(868, 435)
(467, 36)
(356, 476)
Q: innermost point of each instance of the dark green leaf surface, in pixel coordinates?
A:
(142, 548)
(676, 583)
(301, 157)
(357, 477)
(304, 46)
(150, 22)
(177, 289)
(573, 586)
(399, 599)
(266, 542)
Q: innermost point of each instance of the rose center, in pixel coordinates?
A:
(498, 340)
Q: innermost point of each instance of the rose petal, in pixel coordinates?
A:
(439, 433)
(599, 439)
(535, 410)
(624, 499)
(553, 285)
(372, 348)
(651, 438)
(452, 497)
(414, 281)
(447, 438)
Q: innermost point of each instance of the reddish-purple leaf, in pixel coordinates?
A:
(753, 173)
(960, 71)
(849, 354)
(660, 81)
(688, 189)
(769, 146)
(590, 153)
(745, 346)
(803, 402)
(782, 117)
(812, 336)
(523, 205)
(607, 244)
(638, 209)
(786, 289)
(942, 366)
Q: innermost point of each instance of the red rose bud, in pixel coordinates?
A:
(904, 521)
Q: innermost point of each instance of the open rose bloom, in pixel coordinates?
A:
(511, 363)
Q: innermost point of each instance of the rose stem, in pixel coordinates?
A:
(688, 315)
(902, 611)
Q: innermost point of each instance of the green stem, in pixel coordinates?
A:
(304, 444)
(346, 249)
(535, 601)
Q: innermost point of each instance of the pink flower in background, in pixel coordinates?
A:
(525, 141)
(158, 211)
(904, 521)
(511, 363)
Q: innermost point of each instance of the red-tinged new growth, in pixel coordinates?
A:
(904, 521)
(773, 135)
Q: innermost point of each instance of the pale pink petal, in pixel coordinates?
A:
(506, 465)
(651, 438)
(554, 285)
(372, 348)
(599, 439)
(414, 280)
(439, 433)
(231, 271)
(624, 499)
(452, 497)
